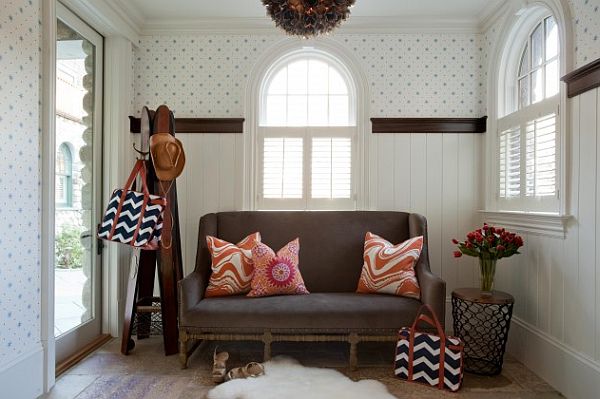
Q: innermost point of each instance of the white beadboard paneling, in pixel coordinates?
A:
(402, 171)
(587, 221)
(532, 266)
(467, 202)
(434, 200)
(597, 244)
(572, 333)
(543, 282)
(558, 270)
(211, 182)
(227, 172)
(210, 171)
(418, 173)
(450, 210)
(385, 172)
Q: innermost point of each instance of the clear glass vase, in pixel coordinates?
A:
(487, 268)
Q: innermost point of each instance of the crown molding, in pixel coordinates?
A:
(127, 9)
(354, 25)
(491, 14)
(109, 17)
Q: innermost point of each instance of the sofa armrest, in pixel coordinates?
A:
(191, 291)
(433, 292)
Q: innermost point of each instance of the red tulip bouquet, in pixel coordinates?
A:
(488, 244)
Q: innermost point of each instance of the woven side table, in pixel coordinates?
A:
(482, 322)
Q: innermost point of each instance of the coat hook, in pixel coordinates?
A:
(144, 154)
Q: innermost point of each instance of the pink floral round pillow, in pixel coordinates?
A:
(276, 274)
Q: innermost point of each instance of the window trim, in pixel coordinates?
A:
(307, 53)
(512, 30)
(67, 152)
(360, 86)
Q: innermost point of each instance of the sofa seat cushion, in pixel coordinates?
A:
(319, 312)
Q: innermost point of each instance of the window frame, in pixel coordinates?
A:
(67, 153)
(505, 99)
(307, 133)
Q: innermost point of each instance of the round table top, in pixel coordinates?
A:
(477, 296)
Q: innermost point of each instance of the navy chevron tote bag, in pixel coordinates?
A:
(435, 360)
(133, 218)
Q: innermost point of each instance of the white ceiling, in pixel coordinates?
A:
(152, 13)
(192, 9)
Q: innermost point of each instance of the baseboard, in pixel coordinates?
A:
(569, 372)
(23, 377)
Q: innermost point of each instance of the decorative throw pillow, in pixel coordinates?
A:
(390, 269)
(277, 274)
(232, 266)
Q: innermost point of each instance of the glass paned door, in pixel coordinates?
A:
(77, 184)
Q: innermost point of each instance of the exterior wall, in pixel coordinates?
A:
(20, 198)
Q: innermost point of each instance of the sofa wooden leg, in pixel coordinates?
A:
(267, 340)
(354, 340)
(183, 352)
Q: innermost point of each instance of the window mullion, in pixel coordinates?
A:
(523, 161)
(307, 169)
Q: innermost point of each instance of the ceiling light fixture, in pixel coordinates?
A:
(308, 17)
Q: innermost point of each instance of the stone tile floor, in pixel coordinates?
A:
(147, 373)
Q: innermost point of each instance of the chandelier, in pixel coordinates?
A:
(308, 17)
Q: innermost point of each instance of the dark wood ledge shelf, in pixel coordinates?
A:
(198, 125)
(583, 79)
(429, 125)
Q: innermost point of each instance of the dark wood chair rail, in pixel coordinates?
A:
(429, 125)
(583, 79)
(198, 125)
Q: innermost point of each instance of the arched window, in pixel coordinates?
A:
(64, 177)
(306, 135)
(528, 131)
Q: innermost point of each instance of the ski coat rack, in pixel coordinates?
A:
(140, 288)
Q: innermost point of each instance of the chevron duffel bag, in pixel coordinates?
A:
(133, 218)
(432, 359)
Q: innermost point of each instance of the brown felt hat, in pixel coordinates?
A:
(168, 156)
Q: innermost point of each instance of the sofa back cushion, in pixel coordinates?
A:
(331, 242)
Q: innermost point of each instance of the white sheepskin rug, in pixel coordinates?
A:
(286, 378)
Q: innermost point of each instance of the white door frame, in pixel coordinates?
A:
(80, 336)
(119, 34)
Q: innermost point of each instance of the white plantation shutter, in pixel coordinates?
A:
(528, 159)
(540, 157)
(331, 174)
(282, 167)
(510, 163)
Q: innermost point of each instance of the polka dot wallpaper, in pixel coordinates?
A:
(409, 74)
(19, 178)
(586, 26)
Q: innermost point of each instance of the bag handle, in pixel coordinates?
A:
(138, 168)
(432, 321)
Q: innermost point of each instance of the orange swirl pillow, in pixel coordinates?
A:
(232, 266)
(390, 269)
(277, 274)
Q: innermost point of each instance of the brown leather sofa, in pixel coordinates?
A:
(331, 259)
